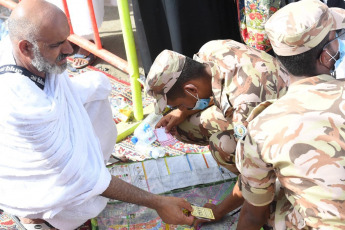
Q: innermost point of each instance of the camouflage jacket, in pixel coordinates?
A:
(299, 140)
(243, 77)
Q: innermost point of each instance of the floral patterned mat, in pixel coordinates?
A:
(125, 216)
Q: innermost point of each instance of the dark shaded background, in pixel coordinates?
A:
(182, 25)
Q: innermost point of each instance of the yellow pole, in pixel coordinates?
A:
(131, 58)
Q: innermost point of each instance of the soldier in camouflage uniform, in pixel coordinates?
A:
(235, 76)
(299, 140)
(239, 79)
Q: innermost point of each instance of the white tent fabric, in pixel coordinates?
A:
(80, 16)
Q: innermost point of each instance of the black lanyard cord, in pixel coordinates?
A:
(39, 81)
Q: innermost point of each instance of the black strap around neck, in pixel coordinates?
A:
(39, 81)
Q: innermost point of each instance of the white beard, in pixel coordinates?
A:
(42, 65)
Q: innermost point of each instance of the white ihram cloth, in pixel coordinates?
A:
(51, 161)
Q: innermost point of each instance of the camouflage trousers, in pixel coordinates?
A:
(283, 216)
(209, 127)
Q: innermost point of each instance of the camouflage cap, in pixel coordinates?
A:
(163, 74)
(300, 26)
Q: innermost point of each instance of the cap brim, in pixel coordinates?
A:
(339, 18)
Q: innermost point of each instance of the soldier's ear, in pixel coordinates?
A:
(325, 60)
(191, 88)
(322, 58)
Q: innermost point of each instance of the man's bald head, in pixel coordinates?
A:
(31, 17)
(38, 31)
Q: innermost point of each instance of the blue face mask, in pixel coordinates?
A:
(200, 104)
(339, 66)
(341, 54)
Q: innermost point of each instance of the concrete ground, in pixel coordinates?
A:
(112, 39)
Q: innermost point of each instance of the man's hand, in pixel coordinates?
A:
(171, 210)
(216, 212)
(171, 120)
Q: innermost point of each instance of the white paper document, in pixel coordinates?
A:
(165, 174)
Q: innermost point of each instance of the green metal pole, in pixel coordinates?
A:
(132, 59)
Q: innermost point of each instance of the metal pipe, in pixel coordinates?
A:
(101, 53)
(8, 4)
(131, 54)
(65, 7)
(94, 25)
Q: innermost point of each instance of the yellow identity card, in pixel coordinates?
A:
(201, 212)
